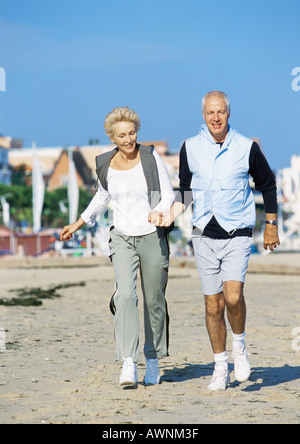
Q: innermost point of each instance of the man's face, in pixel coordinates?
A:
(216, 117)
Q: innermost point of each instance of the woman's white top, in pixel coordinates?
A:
(128, 195)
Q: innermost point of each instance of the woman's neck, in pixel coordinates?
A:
(125, 161)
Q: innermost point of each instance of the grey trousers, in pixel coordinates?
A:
(150, 255)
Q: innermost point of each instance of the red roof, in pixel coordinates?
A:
(4, 231)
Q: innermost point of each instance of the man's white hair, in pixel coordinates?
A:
(215, 93)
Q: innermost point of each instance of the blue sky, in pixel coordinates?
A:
(69, 62)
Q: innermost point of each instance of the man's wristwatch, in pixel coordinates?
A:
(271, 222)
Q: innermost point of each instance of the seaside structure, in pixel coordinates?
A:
(288, 182)
(5, 170)
(54, 164)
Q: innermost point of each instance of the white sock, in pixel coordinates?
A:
(221, 358)
(238, 340)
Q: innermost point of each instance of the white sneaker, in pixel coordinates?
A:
(152, 376)
(129, 375)
(220, 379)
(242, 367)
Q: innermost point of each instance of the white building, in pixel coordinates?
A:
(288, 182)
(5, 171)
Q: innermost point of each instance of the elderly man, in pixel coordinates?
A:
(214, 173)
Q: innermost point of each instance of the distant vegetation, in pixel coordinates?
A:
(19, 198)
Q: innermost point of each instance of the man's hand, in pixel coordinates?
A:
(271, 239)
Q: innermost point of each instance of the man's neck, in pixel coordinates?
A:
(220, 138)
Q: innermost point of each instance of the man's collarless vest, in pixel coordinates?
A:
(220, 180)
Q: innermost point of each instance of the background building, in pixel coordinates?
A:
(288, 182)
(5, 170)
(54, 162)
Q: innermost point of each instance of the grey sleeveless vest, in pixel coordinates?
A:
(149, 168)
(150, 171)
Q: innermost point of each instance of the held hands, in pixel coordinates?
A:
(166, 219)
(271, 239)
(160, 219)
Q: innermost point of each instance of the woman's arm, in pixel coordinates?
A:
(69, 230)
(166, 189)
(183, 197)
(97, 206)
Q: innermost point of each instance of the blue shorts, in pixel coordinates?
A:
(221, 260)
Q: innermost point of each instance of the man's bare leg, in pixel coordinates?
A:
(233, 299)
(236, 306)
(215, 321)
(236, 312)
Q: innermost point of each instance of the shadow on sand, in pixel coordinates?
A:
(260, 376)
(186, 372)
(271, 376)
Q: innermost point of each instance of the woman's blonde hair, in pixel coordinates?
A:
(121, 115)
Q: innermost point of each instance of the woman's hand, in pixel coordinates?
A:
(155, 218)
(69, 230)
(166, 219)
(160, 219)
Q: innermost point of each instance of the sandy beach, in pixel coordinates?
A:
(57, 359)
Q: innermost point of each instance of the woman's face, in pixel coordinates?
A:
(124, 136)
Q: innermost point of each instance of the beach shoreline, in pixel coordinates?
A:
(58, 365)
(272, 263)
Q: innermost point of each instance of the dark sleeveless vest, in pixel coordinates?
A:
(150, 171)
(149, 168)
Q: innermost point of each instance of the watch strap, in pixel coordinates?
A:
(271, 222)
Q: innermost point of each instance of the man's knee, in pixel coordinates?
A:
(233, 293)
(215, 305)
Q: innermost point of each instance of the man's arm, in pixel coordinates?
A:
(265, 182)
(183, 197)
(271, 238)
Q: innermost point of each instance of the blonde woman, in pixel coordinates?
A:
(136, 182)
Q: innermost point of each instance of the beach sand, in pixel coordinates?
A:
(57, 363)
